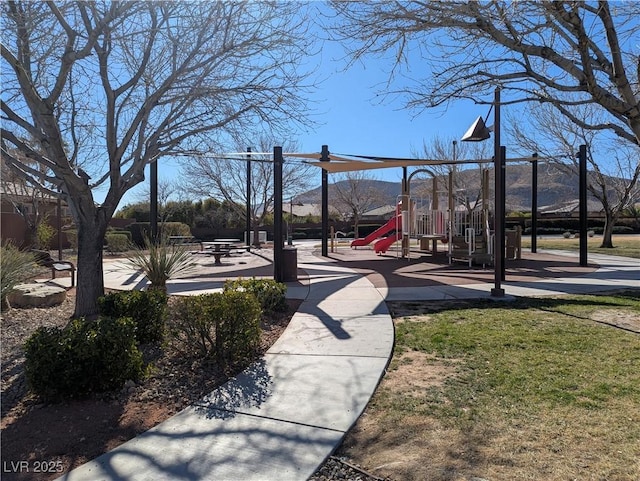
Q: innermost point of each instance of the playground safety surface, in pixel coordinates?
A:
(421, 270)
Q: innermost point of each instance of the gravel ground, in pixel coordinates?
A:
(17, 326)
(336, 468)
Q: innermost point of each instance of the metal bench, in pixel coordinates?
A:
(44, 259)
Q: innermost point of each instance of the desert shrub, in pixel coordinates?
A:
(238, 328)
(120, 230)
(192, 325)
(16, 266)
(545, 231)
(174, 228)
(44, 234)
(270, 294)
(148, 309)
(307, 233)
(223, 326)
(622, 229)
(82, 358)
(117, 242)
(161, 261)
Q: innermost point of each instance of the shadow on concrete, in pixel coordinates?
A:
(250, 388)
(423, 270)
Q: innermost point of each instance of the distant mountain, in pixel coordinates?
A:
(555, 188)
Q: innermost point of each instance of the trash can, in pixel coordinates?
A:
(289, 264)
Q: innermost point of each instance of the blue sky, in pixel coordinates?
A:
(352, 118)
(355, 120)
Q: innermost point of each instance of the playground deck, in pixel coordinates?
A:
(422, 269)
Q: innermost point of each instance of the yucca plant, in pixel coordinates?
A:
(15, 267)
(161, 261)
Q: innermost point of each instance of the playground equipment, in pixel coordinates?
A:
(382, 243)
(463, 226)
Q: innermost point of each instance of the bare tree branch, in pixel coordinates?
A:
(111, 87)
(563, 53)
(558, 137)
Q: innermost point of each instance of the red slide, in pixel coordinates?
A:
(392, 224)
(382, 245)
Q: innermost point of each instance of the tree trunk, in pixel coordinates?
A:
(256, 235)
(90, 281)
(607, 233)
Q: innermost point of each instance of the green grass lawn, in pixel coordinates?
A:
(624, 245)
(531, 389)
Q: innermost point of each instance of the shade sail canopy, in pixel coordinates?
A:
(348, 162)
(334, 166)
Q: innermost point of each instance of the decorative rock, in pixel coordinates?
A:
(36, 295)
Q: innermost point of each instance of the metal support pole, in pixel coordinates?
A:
(485, 205)
(153, 201)
(248, 223)
(582, 167)
(503, 199)
(290, 223)
(453, 204)
(498, 163)
(534, 204)
(324, 157)
(405, 181)
(59, 221)
(277, 215)
(435, 201)
(406, 210)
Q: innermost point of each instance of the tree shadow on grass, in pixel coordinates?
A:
(564, 304)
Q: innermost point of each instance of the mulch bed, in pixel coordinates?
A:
(61, 436)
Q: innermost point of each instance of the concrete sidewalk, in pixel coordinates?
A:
(281, 417)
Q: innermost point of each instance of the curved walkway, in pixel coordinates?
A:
(281, 417)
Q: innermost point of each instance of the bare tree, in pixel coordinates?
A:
(226, 179)
(355, 193)
(563, 53)
(556, 138)
(105, 88)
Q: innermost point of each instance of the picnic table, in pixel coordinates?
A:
(217, 249)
